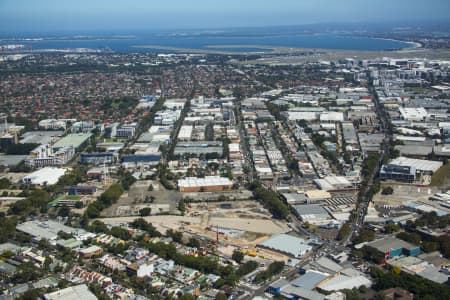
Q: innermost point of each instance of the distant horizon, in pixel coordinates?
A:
(344, 26)
(122, 16)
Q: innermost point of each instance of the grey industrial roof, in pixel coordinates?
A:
(11, 160)
(433, 274)
(73, 139)
(419, 164)
(287, 244)
(146, 137)
(302, 293)
(294, 197)
(279, 283)
(44, 229)
(310, 280)
(310, 209)
(7, 268)
(19, 289)
(72, 293)
(414, 150)
(442, 150)
(8, 247)
(390, 243)
(328, 264)
(40, 137)
(46, 283)
(434, 258)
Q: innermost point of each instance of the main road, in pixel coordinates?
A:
(384, 153)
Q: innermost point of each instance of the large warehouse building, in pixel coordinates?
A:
(392, 247)
(408, 169)
(331, 183)
(75, 140)
(47, 175)
(313, 214)
(287, 244)
(422, 166)
(207, 184)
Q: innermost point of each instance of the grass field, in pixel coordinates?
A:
(442, 176)
(417, 89)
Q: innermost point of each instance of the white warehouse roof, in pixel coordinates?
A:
(72, 293)
(185, 132)
(413, 113)
(287, 244)
(341, 282)
(333, 116)
(207, 181)
(46, 175)
(299, 115)
(333, 183)
(420, 164)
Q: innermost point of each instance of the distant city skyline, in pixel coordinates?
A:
(21, 16)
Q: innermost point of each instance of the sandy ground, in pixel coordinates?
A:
(136, 195)
(403, 194)
(251, 223)
(254, 225)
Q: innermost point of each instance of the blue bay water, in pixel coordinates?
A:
(312, 41)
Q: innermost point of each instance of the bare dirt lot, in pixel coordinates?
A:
(403, 194)
(159, 200)
(239, 224)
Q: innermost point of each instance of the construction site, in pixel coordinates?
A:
(229, 225)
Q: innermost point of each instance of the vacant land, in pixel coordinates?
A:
(139, 196)
(442, 177)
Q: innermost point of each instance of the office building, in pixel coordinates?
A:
(97, 158)
(399, 173)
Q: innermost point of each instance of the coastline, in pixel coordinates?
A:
(415, 45)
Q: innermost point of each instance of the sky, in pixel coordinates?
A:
(42, 16)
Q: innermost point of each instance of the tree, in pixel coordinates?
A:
(187, 296)
(145, 211)
(273, 269)
(430, 246)
(391, 228)
(247, 268)
(302, 123)
(272, 202)
(182, 207)
(420, 287)
(343, 232)
(194, 243)
(141, 224)
(98, 227)
(365, 235)
(31, 294)
(8, 226)
(177, 236)
(4, 183)
(120, 233)
(413, 238)
(127, 180)
(64, 211)
(221, 296)
(106, 199)
(37, 199)
(387, 191)
(237, 256)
